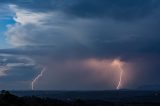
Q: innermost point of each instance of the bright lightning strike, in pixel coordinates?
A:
(117, 63)
(37, 78)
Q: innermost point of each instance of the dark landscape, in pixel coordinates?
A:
(80, 98)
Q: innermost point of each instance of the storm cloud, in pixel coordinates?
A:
(53, 32)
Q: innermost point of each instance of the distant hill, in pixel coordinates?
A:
(149, 87)
(123, 89)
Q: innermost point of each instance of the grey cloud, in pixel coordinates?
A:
(123, 10)
(83, 29)
(92, 7)
(16, 69)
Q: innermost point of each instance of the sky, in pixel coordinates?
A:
(79, 44)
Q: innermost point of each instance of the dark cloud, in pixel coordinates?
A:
(107, 35)
(17, 70)
(57, 30)
(121, 10)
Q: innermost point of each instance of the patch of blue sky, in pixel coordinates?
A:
(4, 22)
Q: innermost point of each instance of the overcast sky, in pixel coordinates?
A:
(72, 44)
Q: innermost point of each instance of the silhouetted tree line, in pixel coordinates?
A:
(8, 99)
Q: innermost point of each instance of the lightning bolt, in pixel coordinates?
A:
(119, 65)
(37, 78)
(120, 78)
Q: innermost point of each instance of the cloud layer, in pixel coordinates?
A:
(54, 32)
